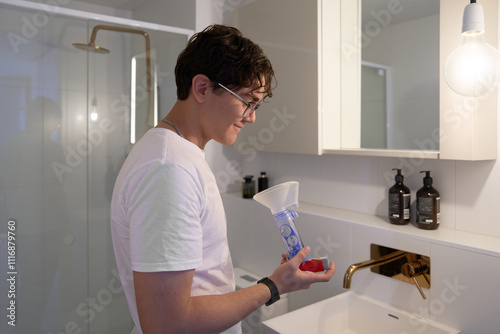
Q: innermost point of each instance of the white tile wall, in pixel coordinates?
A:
(465, 290)
(476, 206)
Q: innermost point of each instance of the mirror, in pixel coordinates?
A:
(399, 44)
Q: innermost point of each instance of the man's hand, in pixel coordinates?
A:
(288, 277)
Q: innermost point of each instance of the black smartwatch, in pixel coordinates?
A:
(275, 294)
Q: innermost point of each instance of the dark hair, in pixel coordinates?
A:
(224, 55)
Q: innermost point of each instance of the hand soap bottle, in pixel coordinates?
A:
(263, 182)
(248, 186)
(399, 201)
(428, 205)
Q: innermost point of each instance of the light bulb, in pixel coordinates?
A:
(473, 68)
(94, 115)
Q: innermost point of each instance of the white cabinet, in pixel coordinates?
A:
(314, 48)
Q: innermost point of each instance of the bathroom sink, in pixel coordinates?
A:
(352, 313)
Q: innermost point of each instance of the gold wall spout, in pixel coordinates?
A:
(370, 263)
(398, 264)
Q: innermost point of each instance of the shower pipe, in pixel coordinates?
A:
(91, 47)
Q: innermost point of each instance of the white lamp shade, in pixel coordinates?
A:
(473, 19)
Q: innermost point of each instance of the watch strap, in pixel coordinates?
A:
(275, 294)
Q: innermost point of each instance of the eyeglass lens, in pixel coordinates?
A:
(251, 107)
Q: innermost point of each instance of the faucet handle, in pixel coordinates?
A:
(413, 269)
(418, 287)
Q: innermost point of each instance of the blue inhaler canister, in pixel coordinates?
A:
(289, 234)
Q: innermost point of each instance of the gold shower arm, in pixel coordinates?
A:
(131, 31)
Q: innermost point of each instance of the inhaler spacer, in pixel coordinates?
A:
(282, 199)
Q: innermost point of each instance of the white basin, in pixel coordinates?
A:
(351, 313)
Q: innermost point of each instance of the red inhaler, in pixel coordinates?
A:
(315, 265)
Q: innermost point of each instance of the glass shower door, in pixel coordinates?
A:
(65, 129)
(43, 180)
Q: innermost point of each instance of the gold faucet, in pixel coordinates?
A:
(415, 266)
(370, 263)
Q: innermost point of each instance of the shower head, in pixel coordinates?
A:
(90, 48)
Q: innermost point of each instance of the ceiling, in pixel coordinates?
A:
(408, 9)
(418, 8)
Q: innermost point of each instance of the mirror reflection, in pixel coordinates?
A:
(400, 74)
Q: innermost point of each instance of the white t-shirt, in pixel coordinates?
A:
(167, 215)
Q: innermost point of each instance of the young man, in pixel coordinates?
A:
(167, 220)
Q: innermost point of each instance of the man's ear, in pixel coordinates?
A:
(199, 87)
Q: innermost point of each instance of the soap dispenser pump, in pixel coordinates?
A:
(399, 201)
(428, 205)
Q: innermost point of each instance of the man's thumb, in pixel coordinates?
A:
(301, 255)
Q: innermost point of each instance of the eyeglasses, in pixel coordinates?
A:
(251, 106)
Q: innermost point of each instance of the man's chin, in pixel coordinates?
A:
(226, 140)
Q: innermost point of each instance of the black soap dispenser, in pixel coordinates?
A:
(248, 186)
(263, 182)
(399, 201)
(428, 205)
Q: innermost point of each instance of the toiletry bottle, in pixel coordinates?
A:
(248, 187)
(428, 206)
(399, 201)
(263, 182)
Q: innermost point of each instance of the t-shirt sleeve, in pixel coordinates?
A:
(164, 209)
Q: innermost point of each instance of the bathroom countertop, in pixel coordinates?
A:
(479, 243)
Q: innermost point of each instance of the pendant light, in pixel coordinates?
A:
(473, 68)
